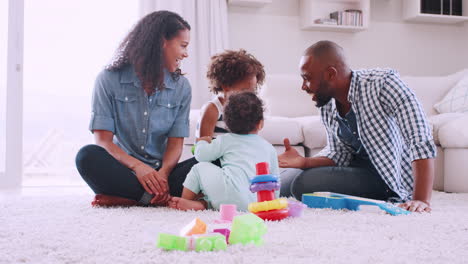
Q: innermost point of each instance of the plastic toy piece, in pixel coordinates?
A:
(209, 242)
(296, 208)
(280, 203)
(264, 178)
(264, 186)
(263, 196)
(223, 231)
(172, 242)
(197, 226)
(227, 211)
(273, 215)
(247, 229)
(262, 168)
(193, 150)
(343, 201)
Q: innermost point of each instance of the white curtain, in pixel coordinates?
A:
(209, 35)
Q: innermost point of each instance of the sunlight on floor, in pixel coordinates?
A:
(45, 191)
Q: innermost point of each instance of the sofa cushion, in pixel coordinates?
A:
(454, 134)
(274, 131)
(431, 90)
(456, 100)
(438, 121)
(283, 96)
(315, 135)
(277, 128)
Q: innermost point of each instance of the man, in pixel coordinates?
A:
(379, 144)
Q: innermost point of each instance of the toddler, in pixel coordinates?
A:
(229, 72)
(209, 186)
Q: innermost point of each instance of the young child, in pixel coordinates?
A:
(209, 186)
(229, 72)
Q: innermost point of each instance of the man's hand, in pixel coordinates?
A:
(152, 181)
(416, 206)
(290, 158)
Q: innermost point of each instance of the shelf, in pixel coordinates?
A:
(412, 13)
(249, 3)
(334, 28)
(310, 10)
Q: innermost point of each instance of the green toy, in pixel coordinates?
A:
(193, 149)
(172, 242)
(246, 229)
(210, 242)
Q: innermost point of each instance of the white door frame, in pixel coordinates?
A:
(14, 97)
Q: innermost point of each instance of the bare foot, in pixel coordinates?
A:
(109, 200)
(185, 204)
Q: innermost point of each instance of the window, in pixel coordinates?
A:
(66, 44)
(3, 80)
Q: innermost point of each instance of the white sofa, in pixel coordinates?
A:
(291, 113)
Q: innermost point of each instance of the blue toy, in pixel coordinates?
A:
(343, 201)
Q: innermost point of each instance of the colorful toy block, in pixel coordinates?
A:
(172, 242)
(295, 209)
(223, 231)
(227, 211)
(195, 227)
(343, 201)
(247, 229)
(210, 242)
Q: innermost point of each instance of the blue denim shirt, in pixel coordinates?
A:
(349, 135)
(141, 123)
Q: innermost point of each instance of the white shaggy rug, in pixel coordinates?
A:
(53, 228)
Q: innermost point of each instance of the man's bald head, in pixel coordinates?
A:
(327, 53)
(324, 72)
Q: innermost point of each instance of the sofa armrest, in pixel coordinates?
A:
(454, 134)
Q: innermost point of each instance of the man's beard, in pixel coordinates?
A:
(322, 99)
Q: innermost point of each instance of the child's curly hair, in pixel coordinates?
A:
(242, 112)
(230, 67)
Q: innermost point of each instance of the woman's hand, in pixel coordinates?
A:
(161, 199)
(152, 181)
(164, 197)
(290, 158)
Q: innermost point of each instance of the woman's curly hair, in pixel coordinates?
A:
(243, 112)
(143, 47)
(229, 67)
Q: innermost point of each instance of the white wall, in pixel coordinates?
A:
(272, 33)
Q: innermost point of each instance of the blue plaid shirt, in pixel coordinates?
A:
(391, 124)
(141, 123)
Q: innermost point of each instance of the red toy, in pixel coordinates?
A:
(265, 184)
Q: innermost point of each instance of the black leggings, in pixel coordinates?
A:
(105, 175)
(345, 180)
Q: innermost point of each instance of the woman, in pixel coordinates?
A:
(140, 113)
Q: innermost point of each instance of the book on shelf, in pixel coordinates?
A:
(326, 21)
(349, 17)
